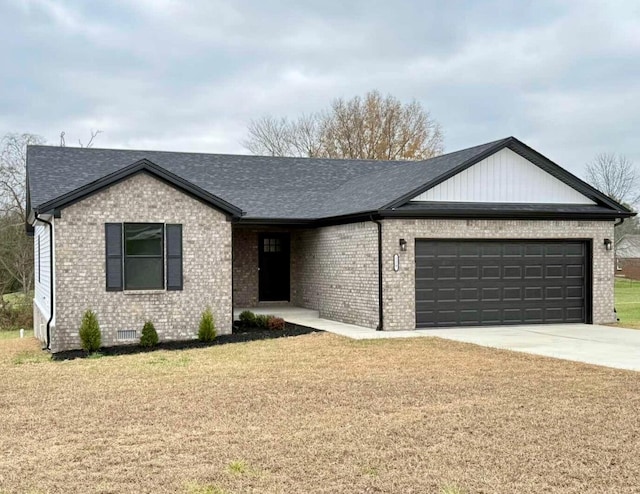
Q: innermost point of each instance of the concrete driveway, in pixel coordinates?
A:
(599, 345)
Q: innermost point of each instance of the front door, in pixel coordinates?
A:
(274, 266)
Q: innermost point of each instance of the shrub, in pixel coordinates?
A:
(149, 336)
(247, 318)
(275, 323)
(207, 330)
(262, 321)
(90, 338)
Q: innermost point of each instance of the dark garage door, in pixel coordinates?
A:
(500, 282)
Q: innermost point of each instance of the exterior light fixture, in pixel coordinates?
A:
(403, 244)
(608, 244)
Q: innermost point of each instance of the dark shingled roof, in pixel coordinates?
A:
(261, 187)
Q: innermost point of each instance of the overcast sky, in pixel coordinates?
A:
(562, 76)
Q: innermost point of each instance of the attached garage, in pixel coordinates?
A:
(500, 282)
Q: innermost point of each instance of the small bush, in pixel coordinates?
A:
(275, 323)
(207, 329)
(149, 336)
(262, 321)
(90, 338)
(247, 318)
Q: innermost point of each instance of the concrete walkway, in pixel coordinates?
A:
(599, 345)
(311, 319)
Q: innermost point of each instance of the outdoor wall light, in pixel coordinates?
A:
(608, 244)
(403, 244)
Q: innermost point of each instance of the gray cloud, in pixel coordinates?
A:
(188, 76)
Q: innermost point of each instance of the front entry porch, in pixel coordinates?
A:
(327, 273)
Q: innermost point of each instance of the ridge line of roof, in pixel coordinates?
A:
(193, 153)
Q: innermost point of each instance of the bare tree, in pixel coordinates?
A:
(16, 248)
(92, 135)
(16, 251)
(270, 136)
(13, 157)
(373, 127)
(616, 176)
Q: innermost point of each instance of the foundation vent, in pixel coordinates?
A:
(127, 334)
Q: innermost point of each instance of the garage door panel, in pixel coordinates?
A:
(575, 314)
(512, 316)
(575, 292)
(575, 271)
(534, 315)
(533, 293)
(469, 294)
(512, 293)
(447, 272)
(501, 282)
(533, 250)
(425, 283)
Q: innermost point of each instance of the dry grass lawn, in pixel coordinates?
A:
(316, 413)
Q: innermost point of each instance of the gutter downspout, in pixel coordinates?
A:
(51, 287)
(380, 304)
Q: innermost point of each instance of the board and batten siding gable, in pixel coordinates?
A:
(42, 271)
(504, 177)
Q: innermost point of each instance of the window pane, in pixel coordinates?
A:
(143, 273)
(143, 239)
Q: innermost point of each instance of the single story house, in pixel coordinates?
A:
(628, 257)
(489, 235)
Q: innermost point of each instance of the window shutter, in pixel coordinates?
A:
(113, 242)
(174, 257)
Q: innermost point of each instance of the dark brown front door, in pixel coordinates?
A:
(273, 251)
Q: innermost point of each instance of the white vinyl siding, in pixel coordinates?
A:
(42, 260)
(504, 177)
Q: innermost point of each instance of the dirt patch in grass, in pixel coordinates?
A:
(316, 413)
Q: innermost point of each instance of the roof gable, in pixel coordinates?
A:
(531, 155)
(504, 177)
(140, 166)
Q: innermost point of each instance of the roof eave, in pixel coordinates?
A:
(503, 214)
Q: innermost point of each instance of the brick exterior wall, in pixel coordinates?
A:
(334, 270)
(245, 267)
(80, 264)
(399, 287)
(629, 268)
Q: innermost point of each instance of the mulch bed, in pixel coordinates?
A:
(239, 335)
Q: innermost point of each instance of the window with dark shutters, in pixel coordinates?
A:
(113, 242)
(174, 257)
(136, 256)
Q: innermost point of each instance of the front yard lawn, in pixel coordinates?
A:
(628, 302)
(316, 413)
